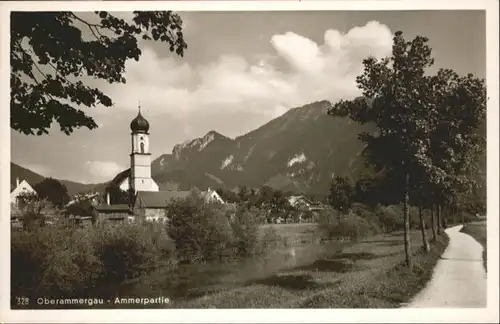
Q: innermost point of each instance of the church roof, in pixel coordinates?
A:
(120, 177)
(139, 124)
(160, 199)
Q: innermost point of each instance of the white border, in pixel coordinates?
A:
(491, 314)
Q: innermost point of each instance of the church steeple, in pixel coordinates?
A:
(140, 158)
(139, 124)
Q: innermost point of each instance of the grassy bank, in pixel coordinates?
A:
(367, 274)
(478, 231)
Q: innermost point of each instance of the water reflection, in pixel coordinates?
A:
(187, 281)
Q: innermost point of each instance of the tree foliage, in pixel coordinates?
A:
(456, 143)
(427, 124)
(52, 190)
(341, 193)
(53, 52)
(33, 209)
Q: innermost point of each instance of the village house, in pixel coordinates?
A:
(115, 213)
(306, 207)
(20, 188)
(151, 206)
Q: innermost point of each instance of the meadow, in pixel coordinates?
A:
(478, 231)
(334, 274)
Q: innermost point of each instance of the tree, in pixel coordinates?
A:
(394, 98)
(279, 203)
(32, 208)
(52, 190)
(418, 196)
(50, 54)
(243, 193)
(341, 194)
(365, 191)
(457, 142)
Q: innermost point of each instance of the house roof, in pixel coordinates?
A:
(294, 199)
(22, 183)
(113, 208)
(205, 194)
(118, 179)
(160, 199)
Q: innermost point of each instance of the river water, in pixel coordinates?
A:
(186, 282)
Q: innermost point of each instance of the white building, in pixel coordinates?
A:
(138, 176)
(22, 187)
(149, 201)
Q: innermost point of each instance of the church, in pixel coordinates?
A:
(148, 202)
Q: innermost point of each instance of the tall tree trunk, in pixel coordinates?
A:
(433, 220)
(438, 218)
(427, 247)
(462, 217)
(406, 212)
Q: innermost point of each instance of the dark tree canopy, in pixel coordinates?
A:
(49, 57)
(341, 193)
(52, 190)
(428, 137)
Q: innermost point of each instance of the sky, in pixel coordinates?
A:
(240, 70)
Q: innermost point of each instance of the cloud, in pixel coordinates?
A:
(313, 72)
(103, 170)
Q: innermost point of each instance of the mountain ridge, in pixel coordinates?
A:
(299, 151)
(19, 172)
(296, 148)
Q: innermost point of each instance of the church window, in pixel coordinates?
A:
(142, 147)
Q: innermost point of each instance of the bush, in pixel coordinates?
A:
(52, 260)
(390, 217)
(245, 228)
(126, 251)
(201, 232)
(164, 245)
(351, 226)
(206, 232)
(65, 260)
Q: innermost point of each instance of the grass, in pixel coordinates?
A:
(367, 274)
(295, 233)
(478, 231)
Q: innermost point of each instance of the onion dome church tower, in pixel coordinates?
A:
(140, 158)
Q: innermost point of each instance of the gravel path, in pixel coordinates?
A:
(459, 278)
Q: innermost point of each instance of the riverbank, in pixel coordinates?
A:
(368, 274)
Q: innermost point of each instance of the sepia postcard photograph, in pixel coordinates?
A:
(247, 161)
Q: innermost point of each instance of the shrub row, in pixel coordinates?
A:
(63, 260)
(362, 221)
